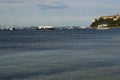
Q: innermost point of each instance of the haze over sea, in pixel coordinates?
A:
(86, 54)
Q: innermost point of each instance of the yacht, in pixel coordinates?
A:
(46, 27)
(102, 27)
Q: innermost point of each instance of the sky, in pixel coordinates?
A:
(55, 12)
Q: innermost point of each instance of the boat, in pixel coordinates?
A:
(46, 27)
(102, 27)
(11, 29)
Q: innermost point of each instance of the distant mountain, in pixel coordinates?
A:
(110, 21)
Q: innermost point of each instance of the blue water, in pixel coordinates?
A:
(86, 54)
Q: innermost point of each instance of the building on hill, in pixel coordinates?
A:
(111, 16)
(111, 21)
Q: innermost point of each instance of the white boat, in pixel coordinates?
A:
(46, 27)
(102, 27)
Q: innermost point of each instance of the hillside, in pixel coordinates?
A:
(111, 21)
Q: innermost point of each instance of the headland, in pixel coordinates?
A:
(112, 21)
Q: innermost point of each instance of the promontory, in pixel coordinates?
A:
(112, 21)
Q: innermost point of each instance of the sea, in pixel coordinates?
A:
(77, 54)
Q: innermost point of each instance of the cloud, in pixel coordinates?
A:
(51, 5)
(11, 1)
(42, 4)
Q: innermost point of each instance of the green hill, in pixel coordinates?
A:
(111, 21)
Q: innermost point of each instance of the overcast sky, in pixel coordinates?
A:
(55, 12)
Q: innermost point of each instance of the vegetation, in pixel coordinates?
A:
(110, 22)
